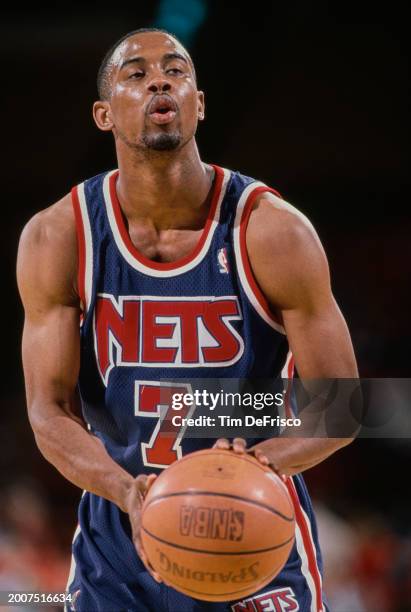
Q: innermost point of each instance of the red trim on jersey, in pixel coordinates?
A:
(218, 181)
(81, 247)
(299, 517)
(307, 542)
(248, 207)
(290, 372)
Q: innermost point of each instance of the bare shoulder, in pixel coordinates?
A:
(47, 254)
(51, 226)
(285, 252)
(281, 225)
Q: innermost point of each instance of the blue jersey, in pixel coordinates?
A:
(143, 323)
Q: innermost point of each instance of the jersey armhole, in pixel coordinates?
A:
(247, 279)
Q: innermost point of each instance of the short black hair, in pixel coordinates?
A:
(104, 72)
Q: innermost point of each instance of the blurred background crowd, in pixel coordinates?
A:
(311, 98)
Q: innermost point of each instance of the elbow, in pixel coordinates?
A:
(42, 418)
(50, 422)
(40, 426)
(36, 419)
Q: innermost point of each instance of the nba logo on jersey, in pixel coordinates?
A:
(222, 261)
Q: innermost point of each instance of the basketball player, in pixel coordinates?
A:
(174, 268)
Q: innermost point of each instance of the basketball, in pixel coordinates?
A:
(217, 525)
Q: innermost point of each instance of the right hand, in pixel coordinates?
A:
(132, 505)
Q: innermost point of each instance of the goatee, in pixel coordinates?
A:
(162, 142)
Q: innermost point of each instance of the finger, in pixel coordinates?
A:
(143, 556)
(144, 483)
(276, 469)
(135, 496)
(239, 445)
(222, 443)
(261, 457)
(280, 475)
(150, 479)
(148, 565)
(156, 576)
(141, 483)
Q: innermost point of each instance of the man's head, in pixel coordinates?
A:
(148, 92)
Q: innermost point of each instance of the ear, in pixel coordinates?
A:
(102, 116)
(200, 106)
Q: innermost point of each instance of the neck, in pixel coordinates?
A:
(161, 185)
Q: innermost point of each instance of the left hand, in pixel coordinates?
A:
(133, 505)
(239, 445)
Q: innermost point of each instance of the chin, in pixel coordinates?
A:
(162, 142)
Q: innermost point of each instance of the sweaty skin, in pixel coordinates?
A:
(165, 197)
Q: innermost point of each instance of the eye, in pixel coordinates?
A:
(136, 75)
(174, 71)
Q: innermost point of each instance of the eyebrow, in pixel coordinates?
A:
(175, 55)
(166, 57)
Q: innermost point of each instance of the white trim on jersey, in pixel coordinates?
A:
(139, 265)
(88, 264)
(287, 374)
(252, 298)
(284, 372)
(72, 564)
(304, 568)
(304, 552)
(319, 604)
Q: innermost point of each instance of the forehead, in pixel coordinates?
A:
(147, 44)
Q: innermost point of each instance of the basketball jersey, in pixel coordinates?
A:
(145, 323)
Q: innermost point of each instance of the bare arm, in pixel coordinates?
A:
(46, 272)
(291, 268)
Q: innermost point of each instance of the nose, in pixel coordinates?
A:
(159, 85)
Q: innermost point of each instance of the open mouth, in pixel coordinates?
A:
(162, 109)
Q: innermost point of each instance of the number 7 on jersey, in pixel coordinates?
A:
(154, 400)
